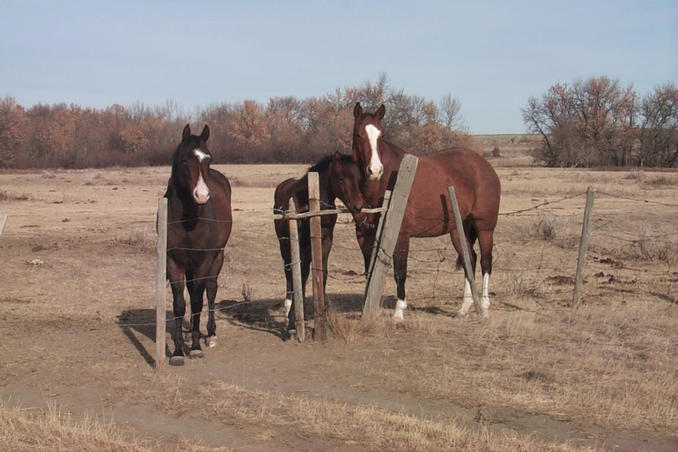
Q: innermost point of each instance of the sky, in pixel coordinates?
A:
(490, 55)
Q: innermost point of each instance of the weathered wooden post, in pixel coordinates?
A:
(3, 220)
(295, 262)
(465, 254)
(377, 237)
(320, 330)
(160, 287)
(384, 252)
(583, 247)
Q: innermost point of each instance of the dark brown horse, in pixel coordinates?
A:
(428, 212)
(198, 227)
(339, 177)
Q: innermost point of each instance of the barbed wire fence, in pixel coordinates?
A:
(649, 250)
(543, 233)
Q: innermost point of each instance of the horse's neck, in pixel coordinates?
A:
(391, 156)
(182, 203)
(327, 196)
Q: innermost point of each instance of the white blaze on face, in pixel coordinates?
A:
(201, 192)
(375, 169)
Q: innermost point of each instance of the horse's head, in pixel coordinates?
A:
(191, 164)
(367, 133)
(345, 177)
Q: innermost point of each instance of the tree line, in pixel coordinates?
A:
(283, 130)
(599, 122)
(594, 122)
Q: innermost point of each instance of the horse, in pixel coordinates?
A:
(199, 224)
(428, 211)
(339, 177)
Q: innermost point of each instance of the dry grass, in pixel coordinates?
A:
(533, 377)
(335, 421)
(592, 364)
(57, 430)
(143, 240)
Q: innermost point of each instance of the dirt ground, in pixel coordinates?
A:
(77, 304)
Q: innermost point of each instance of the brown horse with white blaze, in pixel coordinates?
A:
(428, 212)
(199, 224)
(339, 177)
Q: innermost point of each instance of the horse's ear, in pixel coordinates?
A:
(380, 113)
(357, 110)
(186, 133)
(205, 133)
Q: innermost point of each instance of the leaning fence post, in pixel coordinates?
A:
(377, 236)
(160, 288)
(465, 254)
(295, 262)
(394, 218)
(3, 220)
(583, 247)
(320, 330)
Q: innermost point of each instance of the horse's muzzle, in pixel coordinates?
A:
(201, 196)
(374, 173)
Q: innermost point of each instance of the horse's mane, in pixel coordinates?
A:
(324, 163)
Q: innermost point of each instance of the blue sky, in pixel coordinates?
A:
(491, 55)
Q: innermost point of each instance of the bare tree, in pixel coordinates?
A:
(659, 132)
(450, 109)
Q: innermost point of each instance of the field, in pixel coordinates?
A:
(77, 306)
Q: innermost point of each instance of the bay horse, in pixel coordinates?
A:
(339, 177)
(428, 212)
(199, 224)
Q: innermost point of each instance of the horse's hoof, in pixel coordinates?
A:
(176, 361)
(291, 334)
(193, 354)
(211, 341)
(398, 316)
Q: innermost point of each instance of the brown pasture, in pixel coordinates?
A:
(77, 272)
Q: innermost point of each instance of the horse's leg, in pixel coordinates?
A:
(467, 299)
(366, 236)
(400, 274)
(306, 259)
(211, 286)
(285, 252)
(486, 242)
(196, 290)
(176, 277)
(327, 237)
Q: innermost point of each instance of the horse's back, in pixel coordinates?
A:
(476, 185)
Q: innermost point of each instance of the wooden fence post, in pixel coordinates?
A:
(160, 287)
(295, 262)
(320, 330)
(377, 236)
(583, 247)
(384, 252)
(465, 254)
(3, 220)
